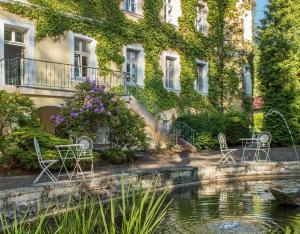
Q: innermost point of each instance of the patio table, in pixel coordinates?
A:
(70, 152)
(247, 145)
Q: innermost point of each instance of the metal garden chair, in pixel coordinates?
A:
(226, 153)
(86, 149)
(44, 164)
(263, 145)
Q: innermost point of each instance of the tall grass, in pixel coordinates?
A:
(138, 211)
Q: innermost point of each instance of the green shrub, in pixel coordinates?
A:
(15, 111)
(19, 149)
(209, 124)
(212, 122)
(118, 156)
(205, 140)
(258, 120)
(236, 127)
(127, 130)
(19, 124)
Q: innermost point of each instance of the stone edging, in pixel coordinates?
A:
(55, 196)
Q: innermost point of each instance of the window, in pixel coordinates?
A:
(200, 77)
(12, 35)
(170, 73)
(14, 51)
(247, 81)
(168, 11)
(201, 83)
(81, 57)
(201, 18)
(164, 122)
(132, 64)
(248, 26)
(170, 64)
(171, 11)
(130, 5)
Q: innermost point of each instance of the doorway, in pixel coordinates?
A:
(14, 48)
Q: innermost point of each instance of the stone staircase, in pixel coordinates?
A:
(158, 136)
(181, 136)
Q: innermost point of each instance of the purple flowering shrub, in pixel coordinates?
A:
(91, 107)
(90, 104)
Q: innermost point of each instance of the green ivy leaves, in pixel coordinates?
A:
(112, 30)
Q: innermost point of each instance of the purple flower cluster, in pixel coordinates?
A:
(93, 104)
(74, 114)
(88, 103)
(99, 110)
(95, 88)
(57, 119)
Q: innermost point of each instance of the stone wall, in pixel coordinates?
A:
(56, 196)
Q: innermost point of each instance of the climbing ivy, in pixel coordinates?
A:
(106, 23)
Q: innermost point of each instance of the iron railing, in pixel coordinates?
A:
(52, 75)
(24, 72)
(175, 130)
(185, 132)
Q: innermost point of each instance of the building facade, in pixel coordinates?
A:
(181, 53)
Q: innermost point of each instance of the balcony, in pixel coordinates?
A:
(44, 75)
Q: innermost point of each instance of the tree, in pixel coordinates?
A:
(279, 66)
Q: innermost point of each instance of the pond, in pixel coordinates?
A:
(244, 207)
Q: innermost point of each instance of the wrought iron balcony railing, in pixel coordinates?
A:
(24, 72)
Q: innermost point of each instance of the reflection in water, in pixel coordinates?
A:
(245, 207)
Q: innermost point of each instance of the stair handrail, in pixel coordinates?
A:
(180, 127)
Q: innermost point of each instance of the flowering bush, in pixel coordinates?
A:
(92, 107)
(84, 111)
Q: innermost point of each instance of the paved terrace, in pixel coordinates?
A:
(205, 159)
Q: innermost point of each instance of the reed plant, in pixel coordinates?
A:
(137, 211)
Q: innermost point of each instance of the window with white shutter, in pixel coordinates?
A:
(130, 6)
(201, 83)
(201, 23)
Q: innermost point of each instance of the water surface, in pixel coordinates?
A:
(244, 207)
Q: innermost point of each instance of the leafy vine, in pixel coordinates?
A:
(106, 23)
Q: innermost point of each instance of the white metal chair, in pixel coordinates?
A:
(226, 153)
(263, 145)
(249, 144)
(44, 164)
(86, 153)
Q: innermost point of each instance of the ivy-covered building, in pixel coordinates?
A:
(182, 55)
